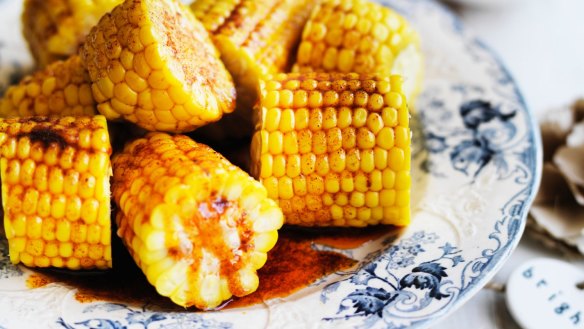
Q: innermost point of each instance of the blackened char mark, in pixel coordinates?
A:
(46, 136)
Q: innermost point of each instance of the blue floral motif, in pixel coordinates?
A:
(484, 137)
(426, 276)
(141, 318)
(376, 290)
(7, 269)
(93, 323)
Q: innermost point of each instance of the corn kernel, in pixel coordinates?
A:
(375, 180)
(19, 225)
(387, 198)
(30, 201)
(300, 187)
(385, 138)
(353, 162)
(304, 141)
(293, 166)
(349, 138)
(301, 118)
(319, 142)
(315, 99)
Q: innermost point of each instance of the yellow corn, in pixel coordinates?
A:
(54, 29)
(197, 226)
(63, 88)
(363, 37)
(152, 63)
(55, 191)
(334, 149)
(255, 38)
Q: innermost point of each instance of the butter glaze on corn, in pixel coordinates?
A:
(63, 88)
(55, 191)
(334, 149)
(363, 37)
(54, 29)
(198, 226)
(152, 63)
(255, 38)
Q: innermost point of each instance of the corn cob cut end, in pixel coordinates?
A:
(63, 89)
(54, 30)
(55, 191)
(197, 226)
(152, 63)
(363, 37)
(334, 149)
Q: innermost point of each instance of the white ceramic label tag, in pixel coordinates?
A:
(542, 293)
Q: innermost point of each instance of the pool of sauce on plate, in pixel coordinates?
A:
(292, 264)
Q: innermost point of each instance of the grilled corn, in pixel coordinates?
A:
(54, 29)
(152, 63)
(255, 38)
(197, 226)
(334, 149)
(63, 88)
(55, 191)
(363, 37)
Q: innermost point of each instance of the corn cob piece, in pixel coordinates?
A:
(255, 38)
(54, 29)
(363, 37)
(152, 63)
(55, 191)
(334, 149)
(197, 226)
(63, 88)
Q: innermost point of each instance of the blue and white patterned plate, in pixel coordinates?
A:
(476, 169)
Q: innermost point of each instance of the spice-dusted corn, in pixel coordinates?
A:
(152, 63)
(334, 149)
(363, 37)
(197, 226)
(54, 29)
(55, 191)
(63, 89)
(255, 38)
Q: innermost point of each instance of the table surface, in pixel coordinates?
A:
(542, 44)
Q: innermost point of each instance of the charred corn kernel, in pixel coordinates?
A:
(48, 207)
(364, 37)
(345, 159)
(61, 88)
(152, 63)
(54, 30)
(255, 38)
(189, 217)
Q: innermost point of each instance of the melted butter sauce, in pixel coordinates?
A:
(292, 265)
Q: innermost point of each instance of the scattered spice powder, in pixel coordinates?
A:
(292, 265)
